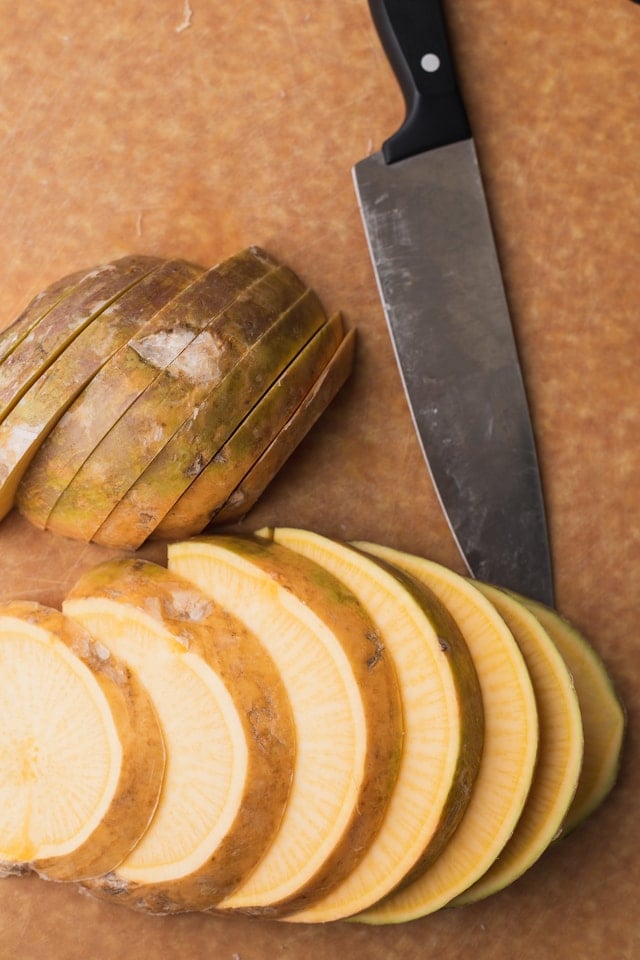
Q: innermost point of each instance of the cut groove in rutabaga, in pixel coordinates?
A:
(253, 485)
(603, 715)
(81, 751)
(43, 344)
(509, 751)
(150, 422)
(214, 418)
(37, 309)
(346, 707)
(443, 727)
(559, 754)
(194, 510)
(127, 374)
(24, 428)
(227, 726)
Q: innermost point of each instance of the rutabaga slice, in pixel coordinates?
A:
(323, 391)
(559, 753)
(127, 374)
(32, 355)
(25, 428)
(443, 724)
(210, 489)
(81, 751)
(167, 403)
(603, 715)
(227, 726)
(37, 309)
(509, 752)
(347, 712)
(213, 420)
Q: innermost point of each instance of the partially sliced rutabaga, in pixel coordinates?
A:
(40, 347)
(127, 374)
(443, 729)
(214, 418)
(37, 309)
(24, 428)
(254, 483)
(209, 490)
(509, 751)
(559, 754)
(603, 715)
(227, 726)
(81, 751)
(150, 422)
(345, 701)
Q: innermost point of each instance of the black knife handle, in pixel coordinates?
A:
(414, 37)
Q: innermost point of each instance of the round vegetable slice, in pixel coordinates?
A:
(40, 347)
(346, 707)
(81, 751)
(227, 726)
(603, 715)
(26, 426)
(133, 442)
(509, 752)
(194, 510)
(125, 377)
(214, 418)
(559, 754)
(323, 391)
(443, 723)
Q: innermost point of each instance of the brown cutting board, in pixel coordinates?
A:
(196, 129)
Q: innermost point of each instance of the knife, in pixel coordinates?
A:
(431, 243)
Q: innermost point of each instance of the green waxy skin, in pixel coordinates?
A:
(30, 358)
(213, 485)
(253, 485)
(134, 441)
(214, 419)
(127, 375)
(25, 428)
(37, 309)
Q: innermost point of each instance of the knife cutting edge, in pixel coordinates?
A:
(434, 256)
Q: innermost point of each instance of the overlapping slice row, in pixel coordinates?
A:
(210, 489)
(350, 731)
(227, 726)
(81, 751)
(25, 427)
(133, 369)
(121, 385)
(345, 702)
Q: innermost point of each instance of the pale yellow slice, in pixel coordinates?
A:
(443, 723)
(227, 727)
(343, 692)
(603, 715)
(81, 751)
(510, 746)
(559, 754)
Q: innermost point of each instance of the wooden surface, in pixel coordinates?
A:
(196, 130)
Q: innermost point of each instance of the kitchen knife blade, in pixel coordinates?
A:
(434, 255)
